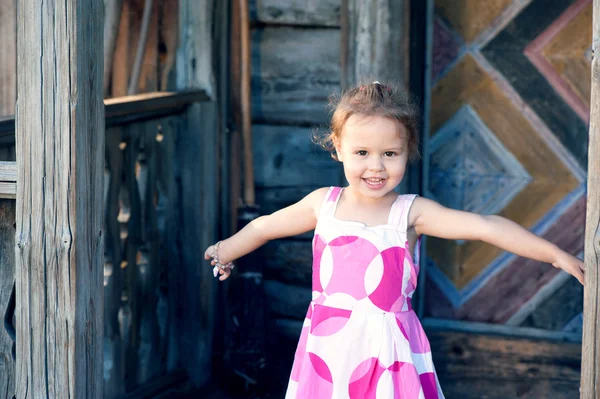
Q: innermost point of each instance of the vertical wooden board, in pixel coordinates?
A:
(168, 28)
(590, 373)
(7, 279)
(375, 41)
(121, 67)
(8, 60)
(294, 71)
(149, 73)
(114, 347)
(297, 12)
(59, 245)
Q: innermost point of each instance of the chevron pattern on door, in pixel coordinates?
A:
(509, 117)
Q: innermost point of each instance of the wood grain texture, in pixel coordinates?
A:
(558, 309)
(294, 71)
(375, 41)
(8, 60)
(297, 12)
(590, 373)
(289, 261)
(7, 278)
(286, 156)
(197, 151)
(471, 17)
(286, 300)
(60, 164)
(507, 291)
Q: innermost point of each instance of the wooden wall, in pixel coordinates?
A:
(295, 67)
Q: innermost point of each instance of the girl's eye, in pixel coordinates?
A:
(361, 153)
(389, 153)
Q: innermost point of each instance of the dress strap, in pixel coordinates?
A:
(400, 210)
(330, 201)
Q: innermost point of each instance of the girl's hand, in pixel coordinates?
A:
(224, 273)
(571, 265)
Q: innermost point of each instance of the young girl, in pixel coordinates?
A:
(361, 338)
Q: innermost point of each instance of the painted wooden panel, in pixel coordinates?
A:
(509, 137)
(294, 71)
(296, 12)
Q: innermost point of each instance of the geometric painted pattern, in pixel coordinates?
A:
(509, 136)
(471, 169)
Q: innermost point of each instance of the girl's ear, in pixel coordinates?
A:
(338, 149)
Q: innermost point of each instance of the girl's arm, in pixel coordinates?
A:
(431, 218)
(295, 219)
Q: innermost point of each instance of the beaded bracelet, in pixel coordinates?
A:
(218, 264)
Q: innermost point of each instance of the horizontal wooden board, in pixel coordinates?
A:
(8, 171)
(475, 366)
(285, 156)
(289, 261)
(287, 300)
(294, 71)
(296, 12)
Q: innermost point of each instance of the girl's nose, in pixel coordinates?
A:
(376, 164)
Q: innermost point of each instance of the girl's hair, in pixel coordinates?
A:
(373, 99)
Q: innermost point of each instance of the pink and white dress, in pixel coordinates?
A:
(361, 339)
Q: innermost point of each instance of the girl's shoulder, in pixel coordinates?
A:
(316, 198)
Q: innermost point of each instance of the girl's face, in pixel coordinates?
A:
(374, 151)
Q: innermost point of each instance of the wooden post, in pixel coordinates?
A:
(375, 44)
(59, 204)
(375, 40)
(197, 152)
(590, 369)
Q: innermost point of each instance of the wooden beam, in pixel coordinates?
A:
(60, 164)
(590, 372)
(128, 109)
(375, 41)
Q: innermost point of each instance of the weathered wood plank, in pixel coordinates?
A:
(559, 308)
(128, 109)
(294, 71)
(285, 156)
(375, 41)
(7, 278)
(8, 60)
(532, 368)
(297, 12)
(286, 300)
(60, 164)
(197, 149)
(590, 373)
(289, 261)
(8, 171)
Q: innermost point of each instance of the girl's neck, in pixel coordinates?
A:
(355, 196)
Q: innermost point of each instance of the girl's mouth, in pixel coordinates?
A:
(374, 182)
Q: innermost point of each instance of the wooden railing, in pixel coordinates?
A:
(141, 253)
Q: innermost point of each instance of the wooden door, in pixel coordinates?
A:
(509, 119)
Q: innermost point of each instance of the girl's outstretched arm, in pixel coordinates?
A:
(430, 218)
(293, 220)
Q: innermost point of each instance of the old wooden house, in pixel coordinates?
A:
(106, 207)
